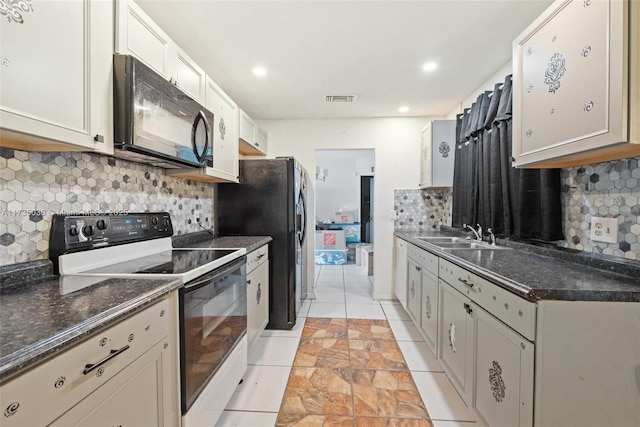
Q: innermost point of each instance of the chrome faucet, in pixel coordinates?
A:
(492, 237)
(478, 233)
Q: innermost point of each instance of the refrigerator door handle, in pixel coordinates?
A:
(303, 223)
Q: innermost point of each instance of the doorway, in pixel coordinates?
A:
(366, 207)
(344, 199)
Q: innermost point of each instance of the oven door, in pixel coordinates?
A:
(213, 319)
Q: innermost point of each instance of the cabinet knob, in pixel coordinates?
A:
(98, 138)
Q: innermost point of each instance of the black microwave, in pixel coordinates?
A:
(155, 122)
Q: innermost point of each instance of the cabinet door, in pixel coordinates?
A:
(252, 141)
(262, 140)
(187, 75)
(225, 131)
(401, 271)
(429, 307)
(425, 158)
(414, 287)
(571, 84)
(56, 74)
(135, 397)
(137, 34)
(443, 135)
(436, 164)
(257, 301)
(247, 128)
(261, 297)
(503, 373)
(456, 339)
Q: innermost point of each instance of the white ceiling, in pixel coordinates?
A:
(373, 49)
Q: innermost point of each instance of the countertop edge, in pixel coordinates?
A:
(534, 295)
(28, 356)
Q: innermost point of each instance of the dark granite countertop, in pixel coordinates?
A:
(40, 316)
(206, 240)
(543, 274)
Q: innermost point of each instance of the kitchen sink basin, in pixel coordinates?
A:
(436, 240)
(458, 243)
(467, 245)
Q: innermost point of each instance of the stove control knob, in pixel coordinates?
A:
(73, 231)
(87, 230)
(166, 223)
(154, 220)
(101, 224)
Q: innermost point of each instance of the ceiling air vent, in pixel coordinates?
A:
(341, 98)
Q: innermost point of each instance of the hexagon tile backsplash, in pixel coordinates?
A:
(34, 186)
(422, 210)
(610, 190)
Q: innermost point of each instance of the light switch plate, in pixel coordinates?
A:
(604, 229)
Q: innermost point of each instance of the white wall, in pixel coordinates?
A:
(498, 76)
(396, 142)
(341, 188)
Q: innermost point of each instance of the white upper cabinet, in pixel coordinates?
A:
(576, 96)
(188, 76)
(225, 139)
(437, 154)
(137, 34)
(253, 141)
(56, 76)
(262, 139)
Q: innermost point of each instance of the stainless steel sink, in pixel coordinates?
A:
(436, 240)
(458, 243)
(468, 245)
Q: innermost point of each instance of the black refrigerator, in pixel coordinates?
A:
(271, 200)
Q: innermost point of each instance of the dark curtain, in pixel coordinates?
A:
(487, 190)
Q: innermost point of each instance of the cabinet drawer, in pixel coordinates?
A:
(423, 258)
(516, 312)
(257, 258)
(45, 392)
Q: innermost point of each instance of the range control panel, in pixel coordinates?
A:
(73, 233)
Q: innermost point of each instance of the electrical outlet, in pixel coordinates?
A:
(604, 229)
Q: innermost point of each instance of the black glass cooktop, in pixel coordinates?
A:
(177, 261)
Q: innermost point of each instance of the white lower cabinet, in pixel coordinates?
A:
(135, 397)
(456, 339)
(401, 271)
(126, 374)
(429, 308)
(257, 292)
(503, 373)
(414, 287)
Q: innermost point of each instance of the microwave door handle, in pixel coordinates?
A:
(200, 156)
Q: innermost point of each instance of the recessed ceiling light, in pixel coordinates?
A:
(403, 109)
(259, 71)
(430, 66)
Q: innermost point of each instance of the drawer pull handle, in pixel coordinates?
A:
(92, 366)
(465, 282)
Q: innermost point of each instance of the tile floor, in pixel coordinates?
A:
(347, 357)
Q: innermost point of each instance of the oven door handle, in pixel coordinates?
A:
(216, 274)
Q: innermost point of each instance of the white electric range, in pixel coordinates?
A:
(213, 305)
